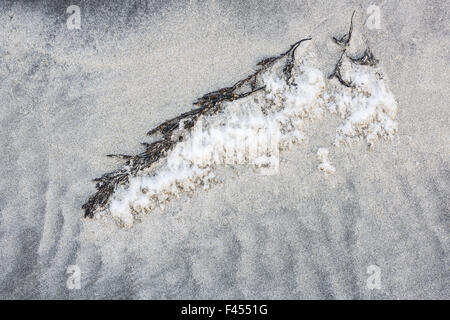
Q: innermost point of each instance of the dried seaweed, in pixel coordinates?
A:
(344, 42)
(209, 103)
(367, 59)
(345, 39)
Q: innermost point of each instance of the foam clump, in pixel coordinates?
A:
(367, 106)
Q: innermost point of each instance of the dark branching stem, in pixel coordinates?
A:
(345, 39)
(344, 42)
(287, 70)
(210, 103)
(367, 58)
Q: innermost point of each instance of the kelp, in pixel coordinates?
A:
(367, 58)
(210, 103)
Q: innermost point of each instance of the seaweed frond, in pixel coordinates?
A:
(209, 103)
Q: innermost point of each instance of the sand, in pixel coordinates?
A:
(69, 97)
